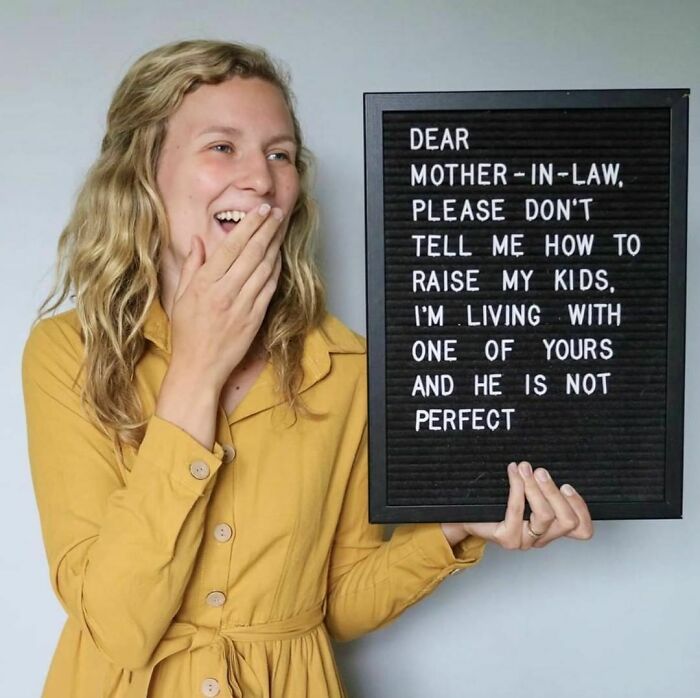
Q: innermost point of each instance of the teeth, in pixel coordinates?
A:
(230, 216)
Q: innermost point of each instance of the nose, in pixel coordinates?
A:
(253, 172)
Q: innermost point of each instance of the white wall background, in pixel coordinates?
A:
(617, 616)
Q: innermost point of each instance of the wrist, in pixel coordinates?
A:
(454, 532)
(184, 379)
(190, 405)
(182, 393)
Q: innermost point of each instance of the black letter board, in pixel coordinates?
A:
(525, 298)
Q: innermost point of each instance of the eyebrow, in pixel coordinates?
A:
(230, 130)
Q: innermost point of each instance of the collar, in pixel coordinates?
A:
(157, 326)
(330, 337)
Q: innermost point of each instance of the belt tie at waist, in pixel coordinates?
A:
(238, 670)
(187, 637)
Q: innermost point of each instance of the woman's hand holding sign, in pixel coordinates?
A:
(556, 513)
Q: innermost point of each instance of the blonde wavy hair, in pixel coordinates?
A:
(109, 252)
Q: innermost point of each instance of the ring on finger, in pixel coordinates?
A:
(533, 533)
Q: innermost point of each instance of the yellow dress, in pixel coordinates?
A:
(193, 572)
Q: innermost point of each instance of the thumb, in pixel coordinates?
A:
(193, 261)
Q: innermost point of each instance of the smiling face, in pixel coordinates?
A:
(228, 147)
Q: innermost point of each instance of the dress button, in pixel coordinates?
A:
(210, 687)
(229, 453)
(216, 598)
(199, 469)
(223, 532)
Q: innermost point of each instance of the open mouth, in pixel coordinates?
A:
(228, 220)
(226, 226)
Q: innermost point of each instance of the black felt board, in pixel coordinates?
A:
(438, 298)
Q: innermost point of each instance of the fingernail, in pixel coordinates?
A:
(511, 468)
(525, 469)
(542, 475)
(264, 209)
(568, 490)
(277, 213)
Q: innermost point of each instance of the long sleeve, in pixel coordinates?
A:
(120, 554)
(372, 581)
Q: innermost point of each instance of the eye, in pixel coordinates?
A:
(282, 153)
(222, 145)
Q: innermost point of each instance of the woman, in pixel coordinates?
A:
(197, 425)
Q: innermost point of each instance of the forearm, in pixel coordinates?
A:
(393, 576)
(190, 402)
(128, 581)
(121, 546)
